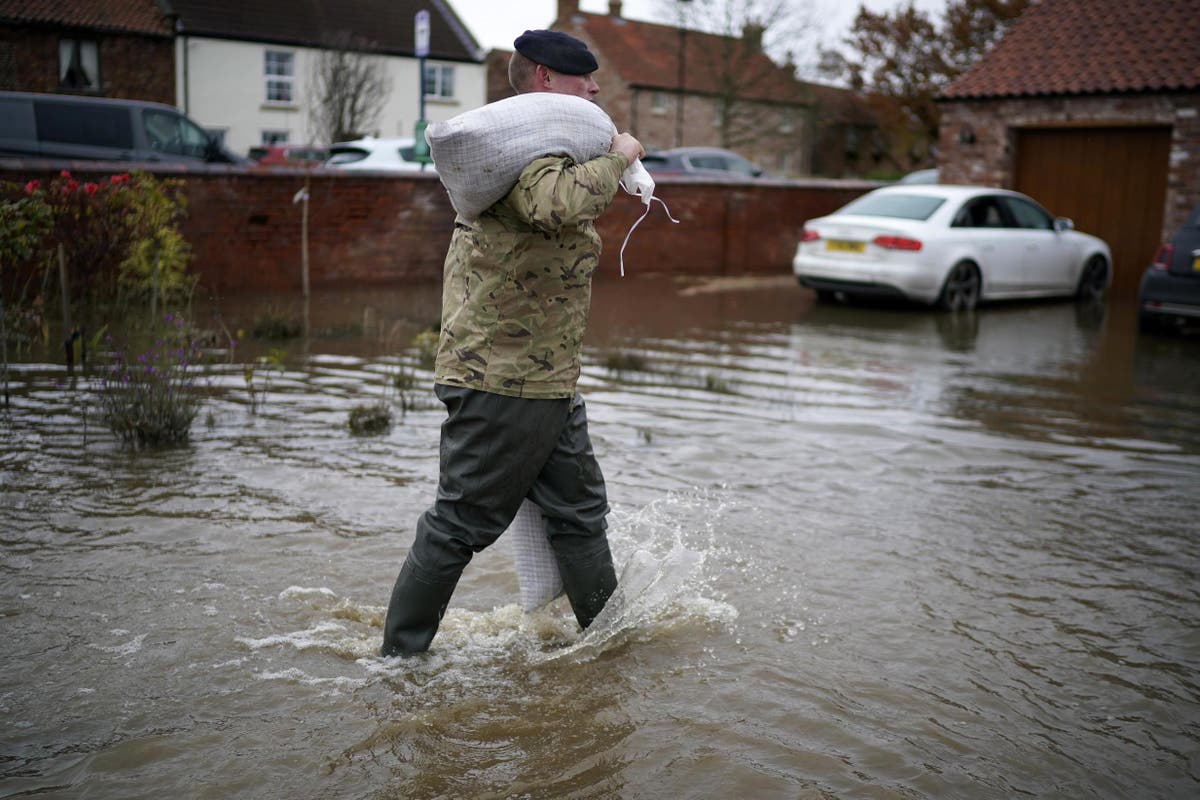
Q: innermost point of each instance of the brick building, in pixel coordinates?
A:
(1094, 109)
(106, 48)
(675, 87)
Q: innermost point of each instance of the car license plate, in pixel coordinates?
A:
(840, 246)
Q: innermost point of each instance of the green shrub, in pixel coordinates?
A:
(119, 237)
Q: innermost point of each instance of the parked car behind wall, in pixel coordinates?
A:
(388, 155)
(102, 129)
(1169, 294)
(701, 162)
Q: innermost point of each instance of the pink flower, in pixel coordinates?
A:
(70, 187)
(122, 178)
(32, 187)
(91, 188)
(64, 174)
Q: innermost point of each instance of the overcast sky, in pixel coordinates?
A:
(495, 23)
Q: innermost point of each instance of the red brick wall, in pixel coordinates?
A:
(131, 67)
(245, 231)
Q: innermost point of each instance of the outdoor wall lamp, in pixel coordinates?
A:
(966, 135)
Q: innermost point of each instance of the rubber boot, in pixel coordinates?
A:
(414, 612)
(588, 582)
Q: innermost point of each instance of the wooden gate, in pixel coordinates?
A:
(1111, 181)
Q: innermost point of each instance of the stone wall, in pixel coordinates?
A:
(990, 159)
(363, 229)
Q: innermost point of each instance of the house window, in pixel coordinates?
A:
(79, 64)
(787, 122)
(280, 70)
(658, 103)
(274, 137)
(439, 81)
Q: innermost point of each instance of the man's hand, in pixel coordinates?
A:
(626, 145)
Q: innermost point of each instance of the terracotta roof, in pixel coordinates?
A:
(388, 24)
(134, 16)
(1096, 46)
(646, 55)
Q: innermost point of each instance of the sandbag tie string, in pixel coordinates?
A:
(639, 222)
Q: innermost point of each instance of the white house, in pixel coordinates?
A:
(244, 67)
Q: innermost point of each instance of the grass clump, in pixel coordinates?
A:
(371, 419)
(619, 362)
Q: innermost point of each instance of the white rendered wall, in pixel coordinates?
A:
(222, 85)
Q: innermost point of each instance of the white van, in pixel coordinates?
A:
(70, 127)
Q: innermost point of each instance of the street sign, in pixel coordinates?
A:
(420, 145)
(421, 28)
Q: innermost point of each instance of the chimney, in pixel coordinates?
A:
(752, 35)
(567, 9)
(614, 8)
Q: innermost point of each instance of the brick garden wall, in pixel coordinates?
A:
(365, 229)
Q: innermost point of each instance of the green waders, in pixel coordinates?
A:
(495, 452)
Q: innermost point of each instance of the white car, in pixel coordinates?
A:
(385, 155)
(949, 245)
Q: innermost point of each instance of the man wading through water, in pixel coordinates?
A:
(516, 292)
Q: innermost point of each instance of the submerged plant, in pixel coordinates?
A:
(371, 419)
(273, 361)
(425, 344)
(151, 399)
(624, 361)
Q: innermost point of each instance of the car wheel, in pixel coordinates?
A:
(826, 296)
(961, 290)
(1092, 280)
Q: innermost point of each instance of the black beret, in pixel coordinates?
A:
(556, 50)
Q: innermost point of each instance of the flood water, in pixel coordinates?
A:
(864, 553)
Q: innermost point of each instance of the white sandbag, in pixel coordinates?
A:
(537, 570)
(480, 154)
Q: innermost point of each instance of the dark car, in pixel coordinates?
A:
(102, 129)
(1169, 294)
(701, 162)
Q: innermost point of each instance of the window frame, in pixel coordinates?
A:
(77, 45)
(275, 81)
(440, 71)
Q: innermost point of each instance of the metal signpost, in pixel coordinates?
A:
(421, 32)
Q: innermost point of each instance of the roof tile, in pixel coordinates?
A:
(135, 16)
(646, 55)
(1097, 46)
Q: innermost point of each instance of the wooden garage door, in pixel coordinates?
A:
(1111, 181)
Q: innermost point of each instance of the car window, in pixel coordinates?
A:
(980, 212)
(170, 133)
(901, 206)
(709, 162)
(1027, 215)
(407, 153)
(346, 155)
(650, 162)
(16, 120)
(84, 124)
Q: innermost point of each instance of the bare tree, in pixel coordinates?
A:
(741, 54)
(348, 87)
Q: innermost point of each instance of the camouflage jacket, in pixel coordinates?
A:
(518, 281)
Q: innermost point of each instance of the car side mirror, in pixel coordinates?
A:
(1063, 224)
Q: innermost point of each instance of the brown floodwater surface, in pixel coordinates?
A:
(865, 553)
